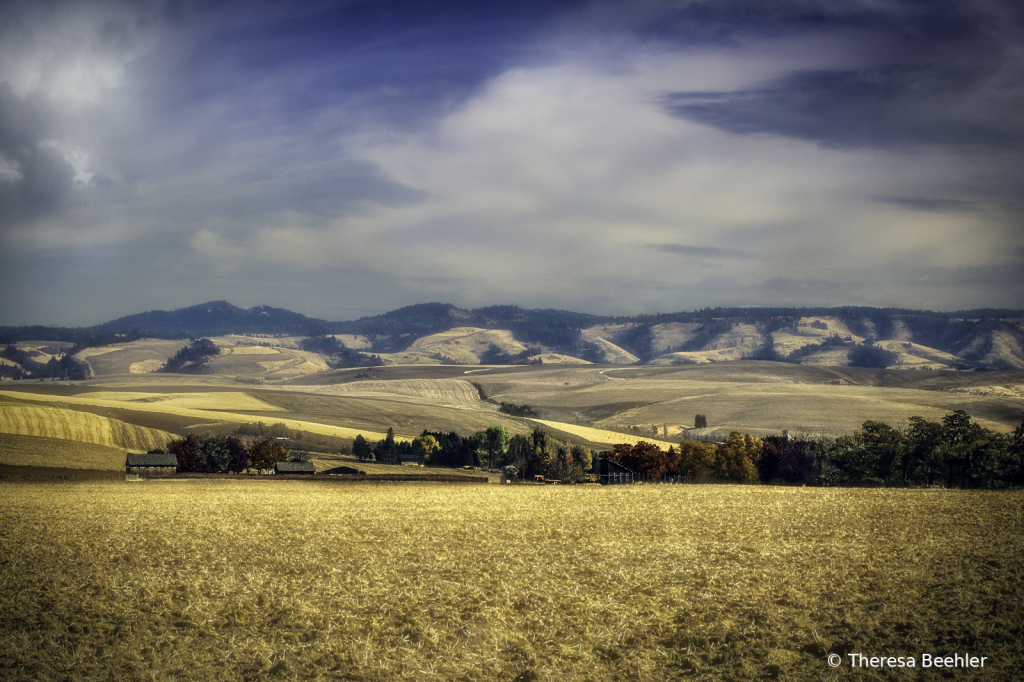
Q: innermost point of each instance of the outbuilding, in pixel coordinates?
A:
(151, 463)
(613, 473)
(294, 468)
(344, 471)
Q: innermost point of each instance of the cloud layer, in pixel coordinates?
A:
(344, 159)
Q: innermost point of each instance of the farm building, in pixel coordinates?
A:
(294, 468)
(613, 473)
(345, 471)
(152, 463)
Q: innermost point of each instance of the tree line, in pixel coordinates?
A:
(952, 452)
(214, 454)
(66, 367)
(865, 354)
(192, 358)
(532, 455)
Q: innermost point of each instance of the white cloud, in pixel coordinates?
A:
(546, 182)
(75, 52)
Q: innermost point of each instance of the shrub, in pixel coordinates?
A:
(867, 355)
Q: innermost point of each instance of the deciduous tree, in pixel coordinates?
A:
(264, 454)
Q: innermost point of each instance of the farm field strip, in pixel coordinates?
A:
(312, 427)
(601, 435)
(213, 400)
(450, 392)
(40, 451)
(429, 582)
(71, 425)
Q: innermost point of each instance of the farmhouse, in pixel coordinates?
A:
(613, 473)
(152, 463)
(294, 468)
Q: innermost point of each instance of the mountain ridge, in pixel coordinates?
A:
(972, 339)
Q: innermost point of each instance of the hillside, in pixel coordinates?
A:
(273, 343)
(63, 424)
(215, 317)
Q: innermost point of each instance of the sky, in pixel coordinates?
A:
(342, 159)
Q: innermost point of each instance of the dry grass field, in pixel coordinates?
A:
(40, 451)
(137, 357)
(758, 398)
(586, 402)
(240, 580)
(161, 407)
(71, 425)
(464, 345)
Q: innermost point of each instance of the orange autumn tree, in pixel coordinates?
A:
(646, 459)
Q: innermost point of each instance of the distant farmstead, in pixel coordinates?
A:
(294, 468)
(152, 463)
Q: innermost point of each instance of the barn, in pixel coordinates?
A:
(613, 473)
(294, 468)
(151, 463)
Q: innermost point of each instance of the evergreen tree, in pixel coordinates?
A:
(361, 449)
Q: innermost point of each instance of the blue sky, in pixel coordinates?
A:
(347, 158)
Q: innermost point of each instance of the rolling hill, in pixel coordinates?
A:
(437, 333)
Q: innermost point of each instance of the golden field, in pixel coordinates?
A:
(40, 451)
(240, 580)
(50, 422)
(592, 404)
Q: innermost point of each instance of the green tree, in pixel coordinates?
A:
(1013, 459)
(423, 447)
(520, 451)
(883, 450)
(264, 454)
(961, 448)
(361, 449)
(922, 461)
(542, 453)
(218, 455)
(563, 467)
(696, 459)
(280, 430)
(736, 458)
(386, 451)
(496, 445)
(583, 457)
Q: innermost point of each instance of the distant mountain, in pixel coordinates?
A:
(970, 339)
(215, 317)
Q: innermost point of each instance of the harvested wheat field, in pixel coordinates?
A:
(39, 451)
(303, 581)
(51, 422)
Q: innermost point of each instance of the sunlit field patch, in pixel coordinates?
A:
(307, 581)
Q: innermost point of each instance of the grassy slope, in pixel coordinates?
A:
(84, 399)
(56, 452)
(51, 422)
(759, 398)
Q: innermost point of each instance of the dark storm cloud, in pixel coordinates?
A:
(403, 61)
(936, 205)
(701, 251)
(278, 153)
(40, 177)
(892, 106)
(953, 78)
